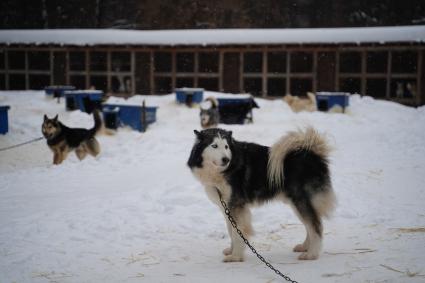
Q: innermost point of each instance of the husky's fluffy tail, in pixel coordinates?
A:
(97, 123)
(308, 139)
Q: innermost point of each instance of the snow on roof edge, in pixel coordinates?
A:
(205, 37)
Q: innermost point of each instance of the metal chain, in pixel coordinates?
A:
(20, 144)
(260, 257)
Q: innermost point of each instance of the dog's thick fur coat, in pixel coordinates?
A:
(294, 170)
(62, 139)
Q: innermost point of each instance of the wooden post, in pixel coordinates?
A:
(196, 54)
(288, 72)
(241, 72)
(151, 73)
(173, 70)
(314, 79)
(388, 77)
(87, 68)
(420, 91)
(27, 84)
(337, 54)
(52, 71)
(144, 124)
(133, 72)
(108, 71)
(220, 71)
(363, 74)
(264, 73)
(6, 65)
(67, 79)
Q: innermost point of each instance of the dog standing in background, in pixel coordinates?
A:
(294, 170)
(62, 139)
(301, 104)
(210, 117)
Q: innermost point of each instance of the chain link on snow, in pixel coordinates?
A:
(21, 144)
(254, 251)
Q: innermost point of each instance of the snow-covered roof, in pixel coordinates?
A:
(81, 37)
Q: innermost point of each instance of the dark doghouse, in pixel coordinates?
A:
(327, 100)
(236, 110)
(135, 116)
(4, 121)
(189, 96)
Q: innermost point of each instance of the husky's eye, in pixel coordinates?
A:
(226, 147)
(214, 146)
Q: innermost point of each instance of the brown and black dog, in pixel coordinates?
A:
(62, 139)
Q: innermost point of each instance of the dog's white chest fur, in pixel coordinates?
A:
(212, 180)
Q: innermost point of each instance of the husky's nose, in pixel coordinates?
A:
(225, 160)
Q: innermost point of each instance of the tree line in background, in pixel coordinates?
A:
(185, 14)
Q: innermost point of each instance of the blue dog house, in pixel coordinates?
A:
(135, 116)
(4, 121)
(327, 100)
(189, 96)
(236, 110)
(85, 100)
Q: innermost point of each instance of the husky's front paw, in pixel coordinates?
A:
(300, 248)
(308, 256)
(227, 251)
(232, 258)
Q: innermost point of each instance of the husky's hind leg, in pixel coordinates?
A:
(93, 147)
(81, 152)
(311, 219)
(304, 246)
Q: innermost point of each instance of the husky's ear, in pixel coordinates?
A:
(56, 118)
(45, 117)
(198, 134)
(229, 133)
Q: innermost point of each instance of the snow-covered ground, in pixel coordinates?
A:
(136, 214)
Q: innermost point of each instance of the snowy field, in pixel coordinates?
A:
(136, 214)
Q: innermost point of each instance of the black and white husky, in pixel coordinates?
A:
(294, 170)
(210, 116)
